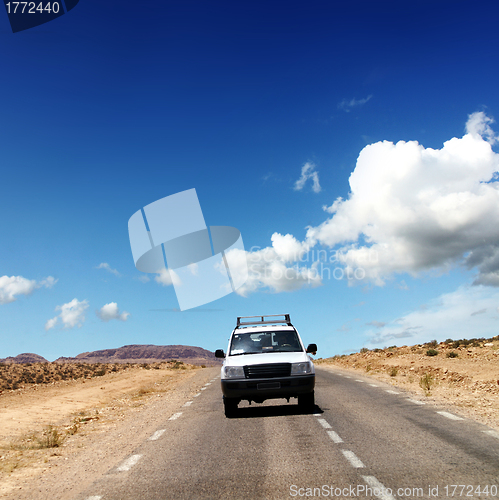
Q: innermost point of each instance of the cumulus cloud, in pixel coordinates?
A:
(348, 104)
(107, 267)
(410, 210)
(167, 277)
(413, 209)
(12, 286)
(110, 311)
(308, 172)
(72, 314)
(463, 313)
(274, 268)
(478, 125)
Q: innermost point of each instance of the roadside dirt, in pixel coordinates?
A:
(54, 438)
(467, 382)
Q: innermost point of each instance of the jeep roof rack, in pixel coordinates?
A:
(262, 321)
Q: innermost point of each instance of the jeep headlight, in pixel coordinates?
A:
(301, 368)
(234, 372)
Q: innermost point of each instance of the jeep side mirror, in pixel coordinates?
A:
(312, 349)
(219, 353)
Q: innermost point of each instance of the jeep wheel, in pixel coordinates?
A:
(230, 407)
(306, 401)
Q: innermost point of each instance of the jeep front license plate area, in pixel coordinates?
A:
(268, 385)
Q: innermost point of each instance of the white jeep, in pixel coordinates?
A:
(266, 359)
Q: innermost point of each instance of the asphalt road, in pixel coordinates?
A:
(363, 440)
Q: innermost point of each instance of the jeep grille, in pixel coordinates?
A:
(268, 370)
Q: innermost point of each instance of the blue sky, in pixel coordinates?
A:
(114, 106)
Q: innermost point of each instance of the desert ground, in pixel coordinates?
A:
(461, 374)
(43, 424)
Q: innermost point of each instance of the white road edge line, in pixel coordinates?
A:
(175, 416)
(157, 435)
(492, 433)
(324, 423)
(392, 392)
(188, 403)
(378, 488)
(449, 415)
(334, 437)
(353, 459)
(415, 401)
(129, 463)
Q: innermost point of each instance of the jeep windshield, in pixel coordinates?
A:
(261, 342)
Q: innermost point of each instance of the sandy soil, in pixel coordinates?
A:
(468, 383)
(77, 416)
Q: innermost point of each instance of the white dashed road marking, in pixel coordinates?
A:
(157, 435)
(449, 415)
(334, 437)
(175, 416)
(196, 395)
(415, 401)
(203, 388)
(129, 463)
(188, 403)
(374, 385)
(209, 383)
(317, 414)
(324, 423)
(358, 380)
(353, 459)
(492, 433)
(94, 498)
(378, 489)
(392, 392)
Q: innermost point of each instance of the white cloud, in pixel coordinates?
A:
(413, 209)
(193, 268)
(348, 105)
(468, 312)
(11, 286)
(478, 126)
(267, 269)
(107, 267)
(72, 314)
(308, 172)
(167, 277)
(51, 323)
(110, 311)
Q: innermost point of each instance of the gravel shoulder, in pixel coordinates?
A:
(468, 382)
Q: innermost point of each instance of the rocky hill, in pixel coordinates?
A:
(26, 357)
(130, 354)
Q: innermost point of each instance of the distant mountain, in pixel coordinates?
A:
(26, 357)
(131, 354)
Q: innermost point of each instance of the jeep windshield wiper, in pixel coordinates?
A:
(249, 352)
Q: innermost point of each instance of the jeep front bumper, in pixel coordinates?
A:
(268, 388)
